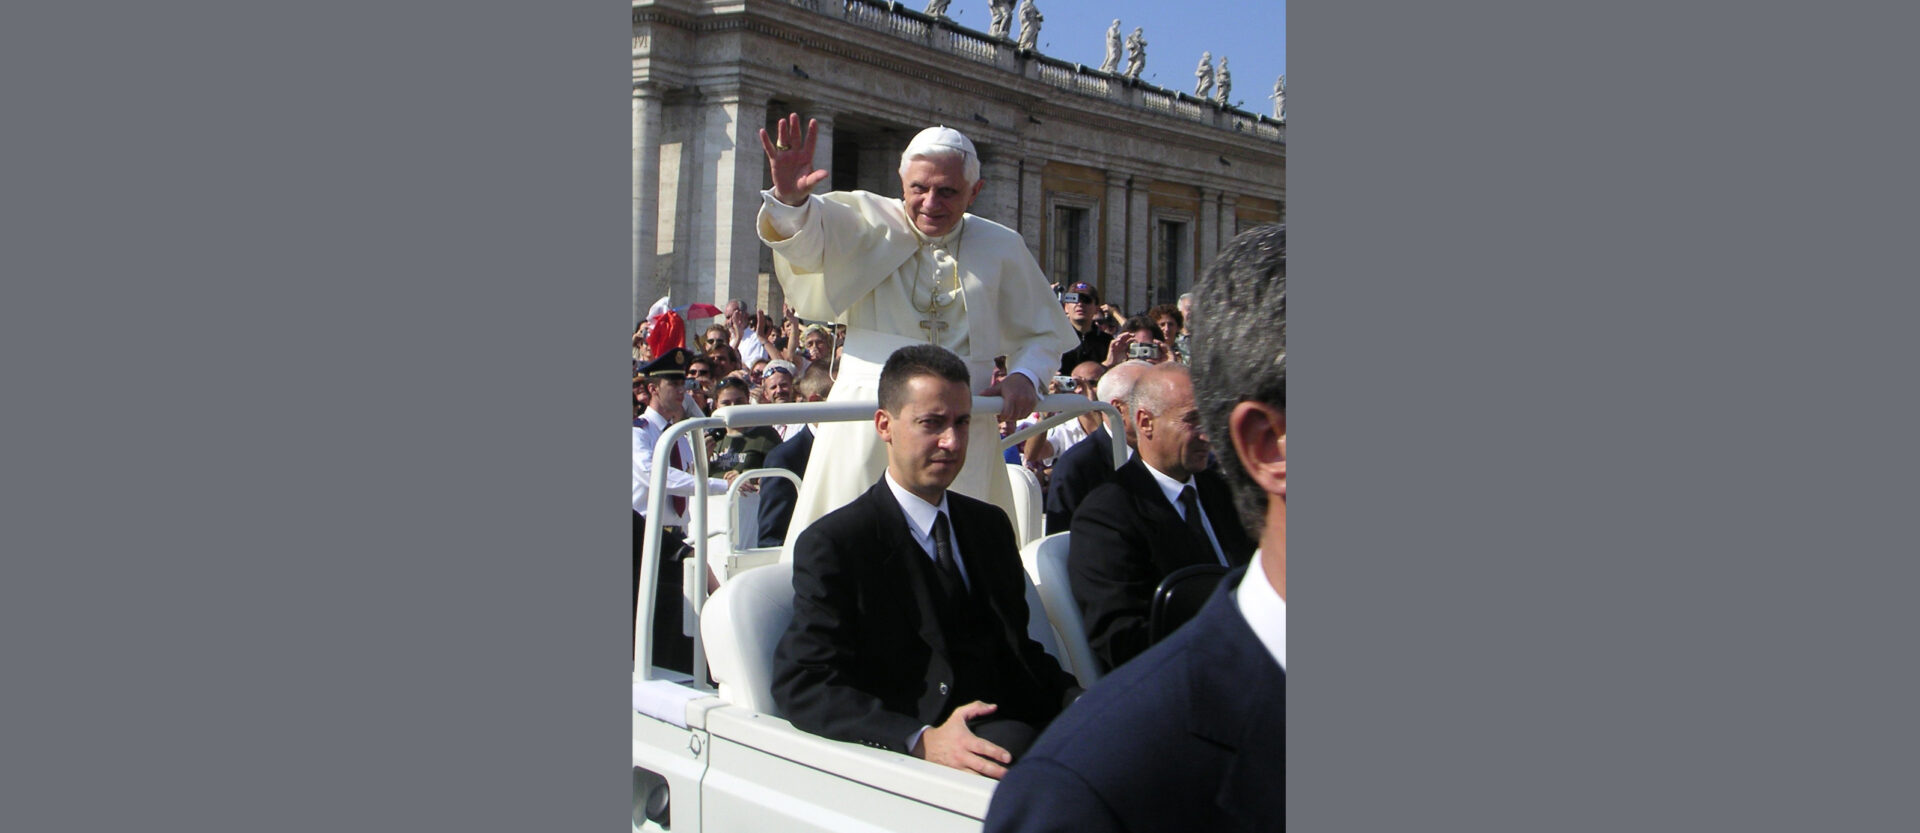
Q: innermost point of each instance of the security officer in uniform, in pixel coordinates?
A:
(666, 385)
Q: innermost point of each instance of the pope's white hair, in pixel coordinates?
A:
(942, 142)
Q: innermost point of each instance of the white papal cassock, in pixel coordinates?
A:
(855, 257)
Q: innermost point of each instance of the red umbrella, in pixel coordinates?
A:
(698, 311)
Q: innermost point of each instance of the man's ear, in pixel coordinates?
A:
(1142, 420)
(976, 190)
(1260, 440)
(883, 423)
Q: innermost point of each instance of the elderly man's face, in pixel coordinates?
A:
(936, 193)
(1178, 446)
(817, 345)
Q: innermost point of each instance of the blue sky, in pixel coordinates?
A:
(1252, 34)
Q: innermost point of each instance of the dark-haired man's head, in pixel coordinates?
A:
(1081, 303)
(926, 409)
(1239, 341)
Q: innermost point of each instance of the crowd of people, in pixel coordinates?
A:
(907, 576)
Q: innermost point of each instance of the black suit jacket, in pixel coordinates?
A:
(777, 494)
(1078, 471)
(865, 658)
(1126, 538)
(1191, 735)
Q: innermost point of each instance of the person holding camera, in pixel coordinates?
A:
(1142, 340)
(1081, 303)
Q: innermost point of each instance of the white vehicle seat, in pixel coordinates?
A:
(740, 627)
(1042, 630)
(743, 621)
(1047, 559)
(1029, 505)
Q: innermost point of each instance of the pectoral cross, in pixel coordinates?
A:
(933, 325)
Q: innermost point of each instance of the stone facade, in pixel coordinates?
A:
(1125, 185)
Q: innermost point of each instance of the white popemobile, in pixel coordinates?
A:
(707, 760)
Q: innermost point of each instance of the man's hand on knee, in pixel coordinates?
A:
(953, 744)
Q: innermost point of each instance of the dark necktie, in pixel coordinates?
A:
(943, 558)
(1190, 500)
(679, 503)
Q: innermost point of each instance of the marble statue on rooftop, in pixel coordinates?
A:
(1136, 54)
(1112, 62)
(1225, 83)
(1280, 99)
(1002, 11)
(1029, 26)
(937, 8)
(1203, 76)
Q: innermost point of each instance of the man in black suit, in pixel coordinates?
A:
(909, 626)
(1206, 709)
(1161, 511)
(1089, 463)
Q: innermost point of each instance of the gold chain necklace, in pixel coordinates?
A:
(932, 323)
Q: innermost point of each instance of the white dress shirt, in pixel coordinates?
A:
(1264, 610)
(920, 515)
(1171, 488)
(679, 481)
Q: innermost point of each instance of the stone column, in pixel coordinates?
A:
(1113, 256)
(822, 148)
(1139, 231)
(1033, 208)
(648, 285)
(1229, 218)
(1000, 200)
(879, 165)
(725, 256)
(1207, 238)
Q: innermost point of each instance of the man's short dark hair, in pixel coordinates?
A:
(1240, 349)
(917, 360)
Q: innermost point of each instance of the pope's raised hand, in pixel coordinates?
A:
(790, 158)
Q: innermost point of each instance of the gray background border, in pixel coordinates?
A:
(1603, 346)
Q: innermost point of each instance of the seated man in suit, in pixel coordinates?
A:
(1089, 463)
(909, 625)
(1206, 709)
(1161, 511)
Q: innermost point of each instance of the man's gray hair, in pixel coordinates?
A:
(942, 142)
(1117, 384)
(1240, 349)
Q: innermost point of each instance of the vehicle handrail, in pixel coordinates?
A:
(740, 481)
(693, 582)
